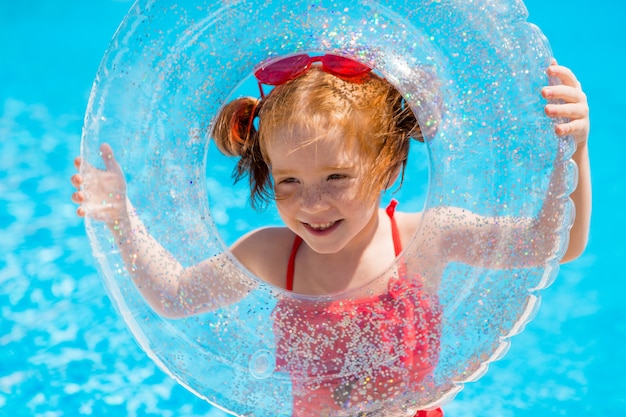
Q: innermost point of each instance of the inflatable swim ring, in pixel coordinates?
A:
(473, 68)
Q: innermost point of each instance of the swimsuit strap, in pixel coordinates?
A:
(291, 266)
(395, 235)
(395, 232)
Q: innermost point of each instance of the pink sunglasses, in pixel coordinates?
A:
(290, 68)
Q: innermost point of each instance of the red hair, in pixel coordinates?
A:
(371, 112)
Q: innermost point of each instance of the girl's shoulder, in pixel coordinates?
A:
(265, 252)
(407, 224)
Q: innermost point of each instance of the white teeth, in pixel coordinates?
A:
(321, 226)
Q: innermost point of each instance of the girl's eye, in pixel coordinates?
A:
(288, 181)
(337, 176)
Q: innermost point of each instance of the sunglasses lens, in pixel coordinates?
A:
(292, 67)
(284, 70)
(344, 67)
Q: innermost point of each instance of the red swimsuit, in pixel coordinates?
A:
(316, 344)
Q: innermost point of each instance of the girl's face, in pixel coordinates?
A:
(316, 182)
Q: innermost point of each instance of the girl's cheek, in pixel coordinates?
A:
(284, 196)
(281, 190)
(347, 191)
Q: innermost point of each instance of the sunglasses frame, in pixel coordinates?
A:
(292, 67)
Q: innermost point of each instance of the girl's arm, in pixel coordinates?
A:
(170, 289)
(473, 239)
(573, 107)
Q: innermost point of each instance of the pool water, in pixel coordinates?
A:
(65, 352)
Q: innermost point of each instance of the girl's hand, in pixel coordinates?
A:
(567, 101)
(100, 194)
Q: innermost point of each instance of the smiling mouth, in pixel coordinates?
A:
(320, 227)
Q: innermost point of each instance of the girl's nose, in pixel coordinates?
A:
(313, 199)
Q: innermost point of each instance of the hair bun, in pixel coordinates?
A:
(234, 126)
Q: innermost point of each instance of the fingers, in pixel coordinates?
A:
(569, 91)
(77, 180)
(564, 74)
(565, 93)
(109, 160)
(574, 127)
(567, 103)
(100, 193)
(576, 110)
(85, 168)
(78, 197)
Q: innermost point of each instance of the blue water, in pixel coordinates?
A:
(65, 352)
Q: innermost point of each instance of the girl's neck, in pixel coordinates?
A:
(367, 256)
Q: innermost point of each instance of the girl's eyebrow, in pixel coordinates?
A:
(277, 172)
(339, 167)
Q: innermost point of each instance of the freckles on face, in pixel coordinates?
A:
(315, 164)
(317, 183)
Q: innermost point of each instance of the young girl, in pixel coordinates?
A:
(332, 137)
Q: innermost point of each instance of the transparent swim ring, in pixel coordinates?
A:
(472, 73)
